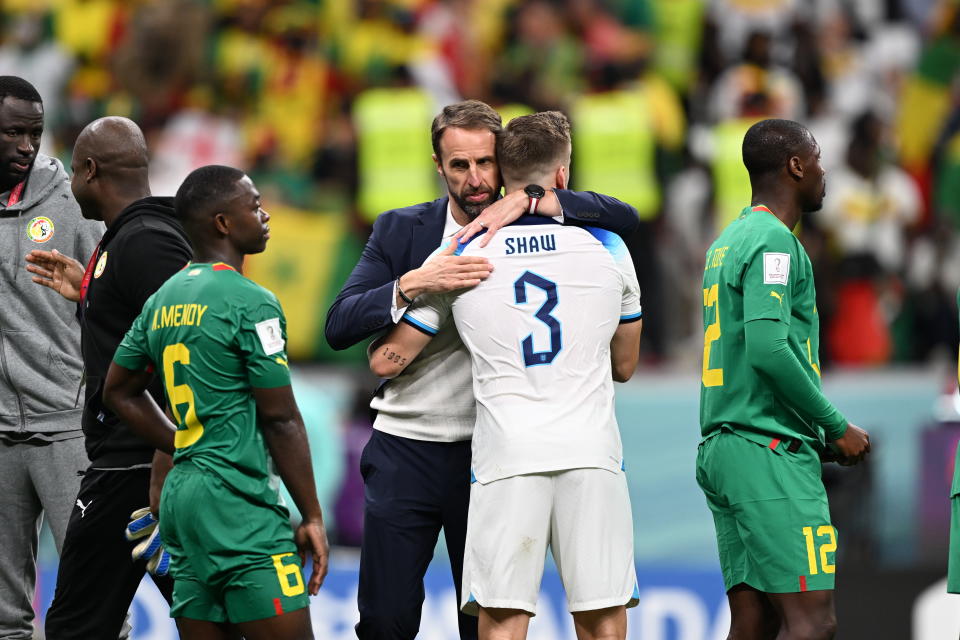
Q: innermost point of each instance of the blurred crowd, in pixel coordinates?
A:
(327, 103)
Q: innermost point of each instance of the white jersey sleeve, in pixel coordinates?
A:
(429, 313)
(630, 309)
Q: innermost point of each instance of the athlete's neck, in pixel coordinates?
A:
(783, 209)
(219, 254)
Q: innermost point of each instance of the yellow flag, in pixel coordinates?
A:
(297, 267)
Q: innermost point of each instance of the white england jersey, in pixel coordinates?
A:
(538, 331)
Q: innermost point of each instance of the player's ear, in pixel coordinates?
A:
(795, 168)
(222, 223)
(561, 177)
(436, 161)
(89, 169)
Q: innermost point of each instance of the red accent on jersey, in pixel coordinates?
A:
(277, 606)
(223, 266)
(773, 443)
(803, 583)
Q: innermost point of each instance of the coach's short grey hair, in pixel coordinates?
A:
(469, 114)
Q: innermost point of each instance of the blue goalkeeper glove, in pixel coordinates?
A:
(143, 526)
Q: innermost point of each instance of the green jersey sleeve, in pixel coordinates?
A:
(133, 351)
(955, 486)
(262, 338)
(767, 287)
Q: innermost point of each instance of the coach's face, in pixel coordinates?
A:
(21, 125)
(468, 163)
(80, 175)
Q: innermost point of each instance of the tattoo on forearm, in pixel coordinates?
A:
(393, 356)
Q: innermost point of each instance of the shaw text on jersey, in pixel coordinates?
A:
(546, 242)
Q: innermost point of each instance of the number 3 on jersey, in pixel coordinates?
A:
(711, 298)
(179, 394)
(531, 357)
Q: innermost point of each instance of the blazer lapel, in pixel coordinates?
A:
(428, 232)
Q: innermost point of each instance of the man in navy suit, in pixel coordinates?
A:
(416, 467)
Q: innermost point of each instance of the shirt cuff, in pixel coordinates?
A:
(836, 427)
(396, 312)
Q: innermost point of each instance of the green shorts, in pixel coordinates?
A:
(771, 514)
(953, 562)
(231, 560)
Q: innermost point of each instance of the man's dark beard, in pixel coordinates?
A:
(813, 207)
(472, 210)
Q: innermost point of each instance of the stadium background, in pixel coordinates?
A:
(327, 105)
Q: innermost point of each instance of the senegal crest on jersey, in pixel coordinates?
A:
(40, 229)
(101, 265)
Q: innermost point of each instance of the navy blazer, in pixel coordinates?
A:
(403, 239)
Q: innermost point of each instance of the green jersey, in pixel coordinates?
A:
(955, 486)
(215, 335)
(756, 269)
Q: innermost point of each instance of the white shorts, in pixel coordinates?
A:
(583, 514)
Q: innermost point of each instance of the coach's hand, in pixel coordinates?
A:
(61, 273)
(853, 445)
(444, 272)
(143, 526)
(311, 538)
(505, 211)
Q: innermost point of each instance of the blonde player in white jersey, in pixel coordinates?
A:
(556, 322)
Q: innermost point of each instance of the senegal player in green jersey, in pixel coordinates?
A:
(764, 420)
(953, 559)
(218, 340)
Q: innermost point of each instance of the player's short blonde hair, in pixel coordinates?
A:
(533, 145)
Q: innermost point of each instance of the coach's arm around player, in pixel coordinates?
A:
(390, 354)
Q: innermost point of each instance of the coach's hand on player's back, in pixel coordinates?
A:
(56, 271)
(445, 272)
(853, 445)
(311, 538)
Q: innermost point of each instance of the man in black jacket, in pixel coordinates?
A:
(143, 246)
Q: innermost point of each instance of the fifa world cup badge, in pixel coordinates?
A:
(40, 229)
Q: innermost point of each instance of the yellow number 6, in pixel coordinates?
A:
(711, 377)
(181, 394)
(284, 571)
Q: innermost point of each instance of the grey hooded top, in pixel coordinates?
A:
(40, 364)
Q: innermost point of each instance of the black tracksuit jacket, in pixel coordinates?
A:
(143, 247)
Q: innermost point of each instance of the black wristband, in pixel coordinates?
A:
(403, 296)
